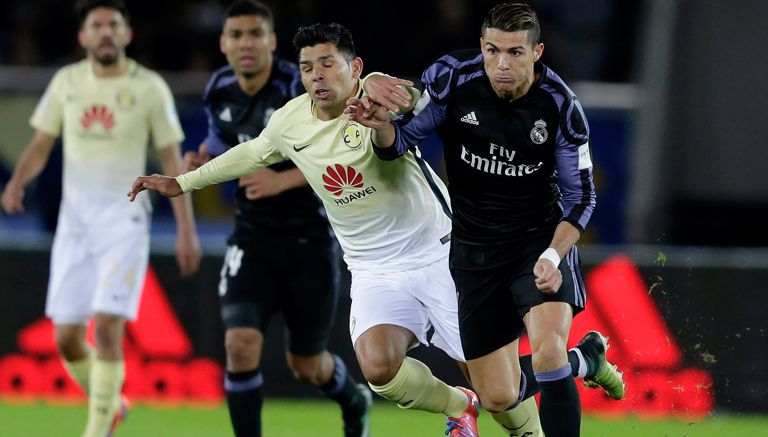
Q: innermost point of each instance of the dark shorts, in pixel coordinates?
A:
(496, 288)
(296, 278)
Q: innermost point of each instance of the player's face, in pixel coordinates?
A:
(248, 42)
(509, 59)
(104, 35)
(330, 79)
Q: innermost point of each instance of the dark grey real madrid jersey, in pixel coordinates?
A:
(515, 168)
(234, 117)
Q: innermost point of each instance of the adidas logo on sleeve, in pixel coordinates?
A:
(470, 118)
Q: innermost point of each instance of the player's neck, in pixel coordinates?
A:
(521, 90)
(253, 84)
(111, 70)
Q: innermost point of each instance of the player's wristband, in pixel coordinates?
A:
(552, 255)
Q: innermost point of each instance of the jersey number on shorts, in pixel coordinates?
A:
(232, 261)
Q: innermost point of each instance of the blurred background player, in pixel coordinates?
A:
(520, 176)
(107, 106)
(281, 257)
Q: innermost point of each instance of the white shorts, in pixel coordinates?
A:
(97, 272)
(414, 299)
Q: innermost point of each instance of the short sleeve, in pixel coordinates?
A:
(163, 118)
(49, 113)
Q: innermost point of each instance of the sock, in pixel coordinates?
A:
(522, 420)
(244, 399)
(590, 354)
(106, 380)
(560, 408)
(80, 371)
(582, 365)
(415, 387)
(578, 363)
(531, 385)
(343, 390)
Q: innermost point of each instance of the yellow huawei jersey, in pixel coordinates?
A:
(106, 124)
(386, 214)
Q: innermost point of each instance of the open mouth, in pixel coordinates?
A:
(322, 93)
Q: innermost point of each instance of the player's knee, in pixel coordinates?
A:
(378, 367)
(71, 346)
(108, 337)
(549, 355)
(242, 348)
(306, 371)
(499, 399)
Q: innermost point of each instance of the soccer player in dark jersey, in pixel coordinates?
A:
(281, 255)
(520, 179)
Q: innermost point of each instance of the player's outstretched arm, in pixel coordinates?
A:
(164, 185)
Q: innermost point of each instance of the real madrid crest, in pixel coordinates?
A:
(125, 99)
(539, 132)
(352, 136)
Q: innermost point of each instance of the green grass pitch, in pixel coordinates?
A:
(301, 418)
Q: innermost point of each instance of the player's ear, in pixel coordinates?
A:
(81, 37)
(128, 35)
(538, 50)
(357, 67)
(272, 42)
(223, 44)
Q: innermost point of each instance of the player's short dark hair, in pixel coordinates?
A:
(84, 7)
(250, 7)
(512, 17)
(334, 33)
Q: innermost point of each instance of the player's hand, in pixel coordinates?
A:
(367, 112)
(165, 185)
(263, 183)
(188, 253)
(548, 276)
(13, 198)
(387, 91)
(193, 160)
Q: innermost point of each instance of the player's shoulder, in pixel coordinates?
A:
(296, 110)
(148, 77)
(73, 72)
(220, 78)
(285, 70)
(553, 84)
(286, 77)
(573, 121)
(74, 68)
(456, 62)
(451, 71)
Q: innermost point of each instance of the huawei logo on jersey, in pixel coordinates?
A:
(98, 114)
(337, 179)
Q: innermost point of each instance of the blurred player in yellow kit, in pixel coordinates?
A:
(106, 107)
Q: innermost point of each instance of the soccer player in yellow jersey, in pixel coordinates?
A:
(390, 217)
(106, 107)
